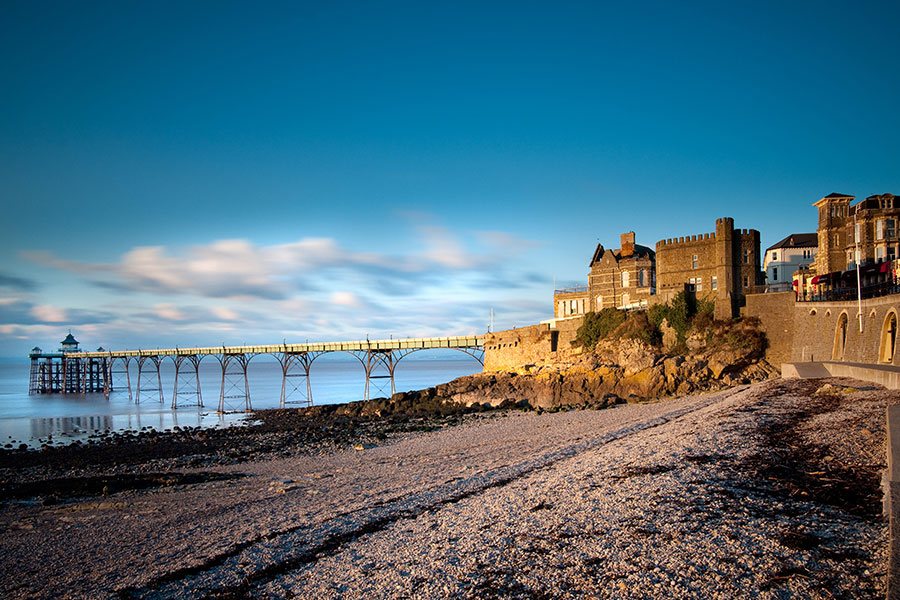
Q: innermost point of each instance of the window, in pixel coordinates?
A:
(746, 281)
(642, 278)
(879, 254)
(746, 257)
(774, 255)
(572, 307)
(879, 230)
(699, 283)
(892, 253)
(624, 278)
(715, 283)
(890, 229)
(774, 273)
(693, 283)
(836, 239)
(694, 262)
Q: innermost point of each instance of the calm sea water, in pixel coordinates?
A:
(335, 378)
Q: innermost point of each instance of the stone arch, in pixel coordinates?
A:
(840, 337)
(812, 312)
(828, 313)
(888, 338)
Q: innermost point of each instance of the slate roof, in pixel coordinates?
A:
(875, 201)
(639, 252)
(797, 240)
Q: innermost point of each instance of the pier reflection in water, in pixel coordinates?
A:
(336, 378)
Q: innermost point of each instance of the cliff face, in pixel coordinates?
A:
(614, 371)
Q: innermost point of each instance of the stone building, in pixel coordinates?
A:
(722, 266)
(873, 222)
(623, 278)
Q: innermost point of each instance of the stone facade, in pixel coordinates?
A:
(830, 331)
(571, 302)
(876, 220)
(518, 349)
(819, 331)
(623, 278)
(723, 266)
(776, 314)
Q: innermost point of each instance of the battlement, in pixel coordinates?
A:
(689, 239)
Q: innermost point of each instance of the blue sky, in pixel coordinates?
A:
(209, 172)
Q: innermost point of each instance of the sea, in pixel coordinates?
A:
(58, 419)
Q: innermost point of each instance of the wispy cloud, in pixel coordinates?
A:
(17, 283)
(312, 288)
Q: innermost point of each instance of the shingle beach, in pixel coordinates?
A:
(763, 491)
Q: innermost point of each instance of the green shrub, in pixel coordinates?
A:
(677, 313)
(598, 325)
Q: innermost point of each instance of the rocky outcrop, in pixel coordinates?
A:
(615, 371)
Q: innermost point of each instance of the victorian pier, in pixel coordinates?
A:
(71, 370)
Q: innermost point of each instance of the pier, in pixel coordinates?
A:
(74, 371)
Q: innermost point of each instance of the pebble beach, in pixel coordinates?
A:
(769, 490)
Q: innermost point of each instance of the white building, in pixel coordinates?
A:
(796, 251)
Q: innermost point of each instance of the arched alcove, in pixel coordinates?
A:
(840, 337)
(888, 342)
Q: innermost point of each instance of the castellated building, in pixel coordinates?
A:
(723, 266)
(873, 221)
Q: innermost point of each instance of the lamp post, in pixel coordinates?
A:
(856, 237)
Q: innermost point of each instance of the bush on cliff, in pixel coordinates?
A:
(598, 325)
(638, 327)
(681, 313)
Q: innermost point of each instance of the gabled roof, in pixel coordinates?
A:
(69, 339)
(797, 240)
(598, 255)
(639, 252)
(836, 195)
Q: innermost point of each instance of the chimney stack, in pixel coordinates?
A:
(627, 240)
